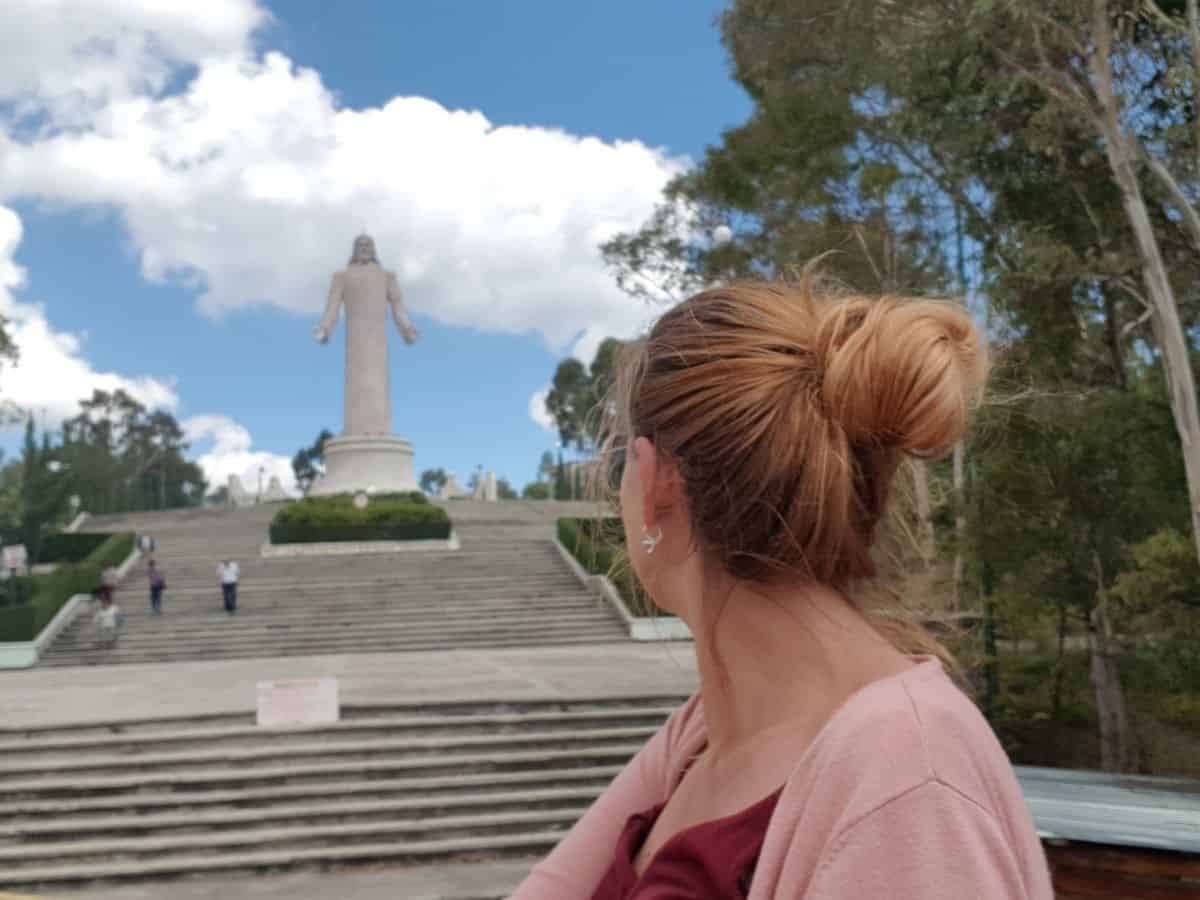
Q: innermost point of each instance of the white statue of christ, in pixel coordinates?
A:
(367, 290)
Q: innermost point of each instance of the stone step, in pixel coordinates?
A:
(424, 560)
(323, 770)
(514, 842)
(231, 635)
(52, 765)
(114, 656)
(138, 606)
(129, 736)
(199, 555)
(263, 567)
(350, 572)
(507, 587)
(499, 586)
(349, 642)
(453, 710)
(355, 568)
(271, 796)
(200, 610)
(219, 622)
(16, 859)
(329, 810)
(162, 798)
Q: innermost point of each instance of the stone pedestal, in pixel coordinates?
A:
(358, 463)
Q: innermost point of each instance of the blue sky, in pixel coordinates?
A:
(188, 257)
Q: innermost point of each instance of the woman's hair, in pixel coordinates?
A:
(788, 409)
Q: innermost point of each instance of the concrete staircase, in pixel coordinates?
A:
(172, 798)
(506, 587)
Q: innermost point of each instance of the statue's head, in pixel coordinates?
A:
(364, 251)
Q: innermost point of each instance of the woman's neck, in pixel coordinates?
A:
(779, 661)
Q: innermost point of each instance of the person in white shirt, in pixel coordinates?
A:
(228, 573)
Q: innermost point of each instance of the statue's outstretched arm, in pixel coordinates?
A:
(333, 307)
(396, 301)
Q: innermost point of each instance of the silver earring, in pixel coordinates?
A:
(650, 541)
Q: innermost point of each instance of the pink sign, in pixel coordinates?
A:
(298, 703)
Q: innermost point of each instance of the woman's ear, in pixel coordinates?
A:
(659, 481)
(645, 457)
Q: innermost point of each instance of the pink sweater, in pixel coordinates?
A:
(905, 794)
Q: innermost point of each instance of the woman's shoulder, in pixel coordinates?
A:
(901, 733)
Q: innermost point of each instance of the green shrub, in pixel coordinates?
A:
(66, 547)
(536, 490)
(599, 546)
(388, 517)
(16, 623)
(45, 595)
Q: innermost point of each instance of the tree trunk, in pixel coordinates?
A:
(960, 451)
(1116, 745)
(926, 542)
(1059, 667)
(1168, 328)
(1112, 334)
(1116, 740)
(960, 521)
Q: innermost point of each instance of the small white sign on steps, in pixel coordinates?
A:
(297, 703)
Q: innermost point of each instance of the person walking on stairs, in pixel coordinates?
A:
(158, 584)
(109, 579)
(107, 618)
(228, 573)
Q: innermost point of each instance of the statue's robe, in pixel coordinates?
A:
(367, 291)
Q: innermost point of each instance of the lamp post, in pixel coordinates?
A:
(261, 470)
(58, 467)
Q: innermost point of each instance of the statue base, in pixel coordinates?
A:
(377, 463)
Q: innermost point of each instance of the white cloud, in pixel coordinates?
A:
(52, 374)
(251, 182)
(539, 413)
(73, 56)
(225, 448)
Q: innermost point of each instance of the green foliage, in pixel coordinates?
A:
(599, 546)
(570, 400)
(309, 462)
(504, 490)
(387, 517)
(576, 392)
(433, 480)
(536, 490)
(44, 491)
(44, 595)
(1164, 573)
(70, 547)
(1065, 484)
(122, 457)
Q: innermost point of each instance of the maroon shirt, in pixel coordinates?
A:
(710, 861)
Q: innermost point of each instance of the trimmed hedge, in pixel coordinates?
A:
(67, 547)
(388, 517)
(599, 546)
(42, 596)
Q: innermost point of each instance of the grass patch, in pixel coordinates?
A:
(599, 546)
(387, 517)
